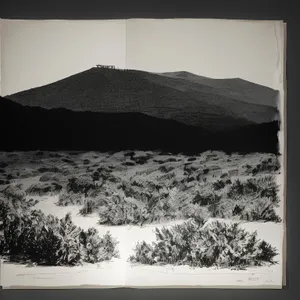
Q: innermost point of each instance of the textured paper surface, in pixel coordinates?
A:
(153, 46)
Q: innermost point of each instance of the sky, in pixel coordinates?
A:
(35, 53)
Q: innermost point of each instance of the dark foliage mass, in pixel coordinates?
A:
(216, 244)
(41, 189)
(69, 130)
(44, 239)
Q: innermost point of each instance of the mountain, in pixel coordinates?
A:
(188, 101)
(235, 88)
(25, 128)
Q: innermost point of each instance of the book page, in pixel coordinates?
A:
(66, 246)
(222, 77)
(142, 153)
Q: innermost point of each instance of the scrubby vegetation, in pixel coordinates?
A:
(41, 189)
(216, 244)
(44, 239)
(137, 187)
(12, 199)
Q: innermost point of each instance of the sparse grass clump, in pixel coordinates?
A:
(45, 239)
(217, 244)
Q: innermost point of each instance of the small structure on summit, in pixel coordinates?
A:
(106, 66)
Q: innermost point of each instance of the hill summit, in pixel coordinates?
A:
(211, 104)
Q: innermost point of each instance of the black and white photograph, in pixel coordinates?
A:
(142, 153)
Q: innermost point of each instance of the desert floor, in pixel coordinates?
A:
(119, 271)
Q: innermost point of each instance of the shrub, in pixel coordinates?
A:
(49, 170)
(267, 165)
(191, 159)
(66, 199)
(91, 205)
(81, 184)
(50, 177)
(47, 240)
(260, 209)
(165, 169)
(41, 189)
(128, 163)
(14, 192)
(3, 164)
(117, 211)
(252, 209)
(141, 160)
(218, 185)
(217, 244)
(98, 249)
(206, 198)
(205, 171)
(261, 187)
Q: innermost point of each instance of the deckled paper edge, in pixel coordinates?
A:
(266, 287)
(192, 286)
(284, 260)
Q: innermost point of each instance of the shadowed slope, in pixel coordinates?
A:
(235, 88)
(33, 128)
(131, 91)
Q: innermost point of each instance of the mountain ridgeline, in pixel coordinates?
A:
(211, 104)
(114, 110)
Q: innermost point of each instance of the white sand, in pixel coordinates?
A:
(113, 273)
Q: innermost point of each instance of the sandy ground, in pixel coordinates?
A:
(119, 272)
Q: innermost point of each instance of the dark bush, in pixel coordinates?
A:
(50, 177)
(165, 169)
(86, 161)
(3, 164)
(141, 160)
(267, 165)
(206, 198)
(71, 198)
(217, 245)
(191, 159)
(218, 185)
(128, 163)
(81, 184)
(47, 240)
(42, 189)
(131, 153)
(259, 187)
(205, 171)
(14, 192)
(50, 170)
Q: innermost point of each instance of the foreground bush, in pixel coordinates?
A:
(216, 244)
(45, 239)
(12, 199)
